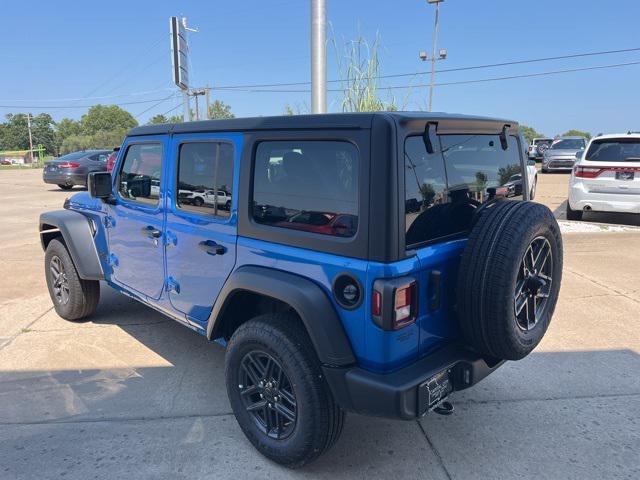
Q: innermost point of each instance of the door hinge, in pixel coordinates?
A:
(108, 221)
(172, 285)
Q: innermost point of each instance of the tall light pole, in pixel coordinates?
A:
(318, 56)
(30, 137)
(434, 58)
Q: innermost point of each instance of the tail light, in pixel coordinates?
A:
(68, 165)
(394, 303)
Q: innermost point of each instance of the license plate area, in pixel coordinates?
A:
(624, 175)
(433, 390)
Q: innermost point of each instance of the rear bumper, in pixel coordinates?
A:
(400, 394)
(579, 199)
(64, 178)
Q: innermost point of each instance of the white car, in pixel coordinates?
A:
(606, 176)
(206, 197)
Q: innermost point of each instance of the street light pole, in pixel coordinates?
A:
(433, 53)
(318, 56)
(30, 137)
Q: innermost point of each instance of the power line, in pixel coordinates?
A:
(155, 105)
(446, 70)
(103, 97)
(81, 106)
(480, 80)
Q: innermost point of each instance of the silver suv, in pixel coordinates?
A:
(561, 155)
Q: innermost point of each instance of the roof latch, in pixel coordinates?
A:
(426, 137)
(503, 137)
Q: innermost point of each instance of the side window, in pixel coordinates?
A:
(310, 186)
(205, 178)
(445, 188)
(139, 178)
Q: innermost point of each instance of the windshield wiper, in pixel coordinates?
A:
(632, 159)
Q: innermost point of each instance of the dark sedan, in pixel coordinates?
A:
(73, 168)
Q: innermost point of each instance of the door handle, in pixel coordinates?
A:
(151, 232)
(212, 248)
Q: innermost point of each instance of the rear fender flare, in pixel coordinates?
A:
(309, 301)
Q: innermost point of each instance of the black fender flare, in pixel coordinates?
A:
(310, 302)
(78, 236)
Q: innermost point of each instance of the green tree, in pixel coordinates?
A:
(176, 119)
(102, 140)
(156, 119)
(530, 133)
(106, 118)
(15, 132)
(64, 129)
(43, 132)
(220, 110)
(576, 133)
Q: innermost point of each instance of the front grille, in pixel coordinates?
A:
(561, 163)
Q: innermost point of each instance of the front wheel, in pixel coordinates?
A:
(278, 393)
(198, 201)
(73, 298)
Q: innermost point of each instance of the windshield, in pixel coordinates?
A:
(545, 141)
(614, 150)
(568, 144)
(444, 189)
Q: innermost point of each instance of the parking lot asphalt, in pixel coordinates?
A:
(133, 394)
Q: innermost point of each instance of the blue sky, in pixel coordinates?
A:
(55, 51)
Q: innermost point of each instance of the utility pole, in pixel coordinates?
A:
(30, 138)
(435, 55)
(197, 93)
(318, 56)
(207, 97)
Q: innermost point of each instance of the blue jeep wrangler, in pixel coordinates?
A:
(372, 263)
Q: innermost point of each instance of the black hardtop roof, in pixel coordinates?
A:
(308, 122)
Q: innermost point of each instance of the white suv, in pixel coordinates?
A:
(606, 176)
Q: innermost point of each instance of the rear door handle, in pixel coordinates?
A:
(151, 232)
(211, 247)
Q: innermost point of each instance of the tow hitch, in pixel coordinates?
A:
(444, 408)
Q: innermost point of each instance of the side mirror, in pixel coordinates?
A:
(531, 163)
(99, 184)
(579, 154)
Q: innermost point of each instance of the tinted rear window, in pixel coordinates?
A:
(71, 156)
(614, 150)
(445, 188)
(310, 186)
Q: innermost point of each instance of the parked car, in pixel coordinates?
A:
(561, 155)
(73, 168)
(607, 177)
(432, 282)
(111, 159)
(207, 197)
(538, 146)
(5, 161)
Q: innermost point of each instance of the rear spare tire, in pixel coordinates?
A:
(509, 279)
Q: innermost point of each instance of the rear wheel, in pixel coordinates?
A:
(573, 214)
(73, 298)
(198, 201)
(277, 391)
(65, 187)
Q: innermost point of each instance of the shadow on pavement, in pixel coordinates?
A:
(608, 218)
(160, 410)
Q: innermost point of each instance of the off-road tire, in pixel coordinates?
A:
(319, 420)
(488, 278)
(83, 295)
(573, 214)
(65, 187)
